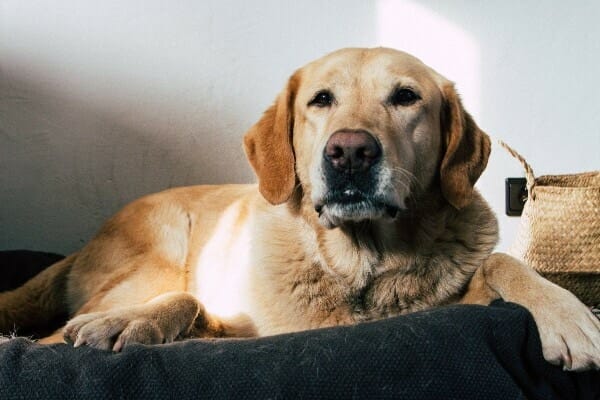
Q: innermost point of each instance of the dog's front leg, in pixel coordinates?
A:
(160, 320)
(569, 332)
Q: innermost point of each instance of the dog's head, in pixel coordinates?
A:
(363, 131)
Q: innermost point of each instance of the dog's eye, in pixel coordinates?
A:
(403, 97)
(323, 98)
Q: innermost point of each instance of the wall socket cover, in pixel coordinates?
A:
(515, 195)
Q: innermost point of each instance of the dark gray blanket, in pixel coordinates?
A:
(457, 352)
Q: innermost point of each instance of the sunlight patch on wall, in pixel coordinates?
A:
(449, 49)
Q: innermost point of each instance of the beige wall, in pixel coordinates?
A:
(101, 102)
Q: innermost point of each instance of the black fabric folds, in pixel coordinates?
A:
(457, 352)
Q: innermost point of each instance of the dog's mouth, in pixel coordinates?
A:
(351, 206)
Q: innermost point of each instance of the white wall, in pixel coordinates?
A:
(101, 102)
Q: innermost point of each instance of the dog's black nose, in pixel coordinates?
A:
(352, 150)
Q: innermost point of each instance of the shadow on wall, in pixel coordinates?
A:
(102, 102)
(69, 163)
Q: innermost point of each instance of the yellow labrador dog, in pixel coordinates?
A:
(365, 209)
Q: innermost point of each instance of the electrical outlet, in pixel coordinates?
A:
(516, 195)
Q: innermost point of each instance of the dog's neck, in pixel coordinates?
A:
(358, 252)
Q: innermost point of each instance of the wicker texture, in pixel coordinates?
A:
(559, 234)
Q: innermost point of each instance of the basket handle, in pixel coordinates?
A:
(529, 175)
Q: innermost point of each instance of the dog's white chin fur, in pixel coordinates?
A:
(336, 214)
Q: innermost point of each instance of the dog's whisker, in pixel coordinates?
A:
(404, 173)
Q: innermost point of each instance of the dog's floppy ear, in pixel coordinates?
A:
(268, 146)
(466, 150)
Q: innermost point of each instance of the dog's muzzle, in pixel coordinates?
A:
(351, 168)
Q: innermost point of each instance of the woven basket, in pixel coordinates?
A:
(559, 235)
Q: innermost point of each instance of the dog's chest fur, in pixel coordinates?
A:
(327, 278)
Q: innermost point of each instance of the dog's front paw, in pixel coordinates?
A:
(569, 331)
(113, 331)
(161, 320)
